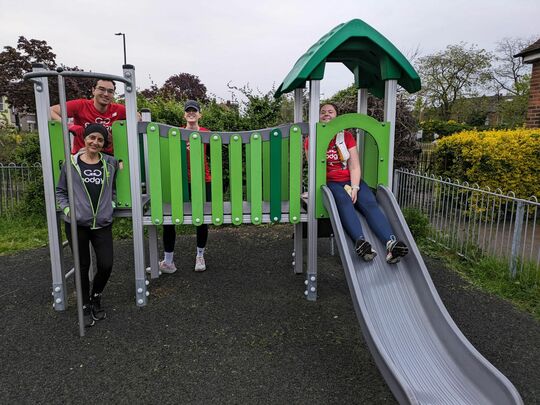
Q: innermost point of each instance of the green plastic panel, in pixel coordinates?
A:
(295, 173)
(266, 171)
(216, 168)
(285, 169)
(185, 180)
(380, 131)
(248, 171)
(154, 172)
(177, 184)
(56, 139)
(275, 175)
(196, 162)
(255, 179)
(123, 186)
(235, 173)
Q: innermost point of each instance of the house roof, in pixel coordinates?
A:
(533, 48)
(366, 53)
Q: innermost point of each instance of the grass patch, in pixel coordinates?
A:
(22, 233)
(492, 275)
(19, 233)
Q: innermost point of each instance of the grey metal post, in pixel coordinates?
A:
(395, 185)
(41, 91)
(146, 116)
(361, 108)
(311, 280)
(390, 99)
(72, 207)
(298, 261)
(135, 184)
(516, 239)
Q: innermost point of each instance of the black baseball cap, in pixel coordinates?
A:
(192, 104)
(100, 129)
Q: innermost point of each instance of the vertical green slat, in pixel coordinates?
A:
(216, 169)
(266, 171)
(177, 185)
(275, 175)
(255, 181)
(185, 191)
(123, 186)
(235, 173)
(196, 164)
(57, 148)
(285, 168)
(295, 173)
(248, 172)
(154, 169)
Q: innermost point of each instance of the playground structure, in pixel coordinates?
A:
(420, 351)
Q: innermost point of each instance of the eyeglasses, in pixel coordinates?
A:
(104, 90)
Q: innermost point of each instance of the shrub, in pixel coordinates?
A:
(505, 159)
(418, 222)
(441, 128)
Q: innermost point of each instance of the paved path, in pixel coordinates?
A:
(239, 333)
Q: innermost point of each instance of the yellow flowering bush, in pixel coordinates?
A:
(504, 159)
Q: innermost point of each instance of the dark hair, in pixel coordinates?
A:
(103, 80)
(332, 104)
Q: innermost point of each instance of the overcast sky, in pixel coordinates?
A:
(249, 42)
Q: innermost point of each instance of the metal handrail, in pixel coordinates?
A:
(69, 73)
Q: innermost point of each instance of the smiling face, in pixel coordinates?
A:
(327, 113)
(103, 92)
(94, 142)
(192, 117)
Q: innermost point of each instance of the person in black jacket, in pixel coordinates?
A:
(94, 193)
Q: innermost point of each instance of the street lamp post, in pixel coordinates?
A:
(124, 41)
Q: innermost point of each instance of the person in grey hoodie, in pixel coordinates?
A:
(94, 192)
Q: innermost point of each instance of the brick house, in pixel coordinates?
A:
(531, 55)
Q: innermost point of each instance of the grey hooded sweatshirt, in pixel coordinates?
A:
(85, 212)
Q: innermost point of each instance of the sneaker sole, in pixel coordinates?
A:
(95, 318)
(369, 256)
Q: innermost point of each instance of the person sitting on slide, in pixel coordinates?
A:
(343, 177)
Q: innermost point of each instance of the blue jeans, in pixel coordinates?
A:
(368, 207)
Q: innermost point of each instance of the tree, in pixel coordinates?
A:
(457, 72)
(17, 61)
(184, 86)
(511, 76)
(508, 73)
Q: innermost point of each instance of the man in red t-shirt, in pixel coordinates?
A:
(100, 109)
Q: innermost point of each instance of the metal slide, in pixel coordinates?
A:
(421, 353)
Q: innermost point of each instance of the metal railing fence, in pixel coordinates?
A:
(476, 222)
(14, 181)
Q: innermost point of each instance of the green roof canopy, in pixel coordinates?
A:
(370, 56)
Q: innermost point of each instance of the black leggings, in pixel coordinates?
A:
(102, 241)
(169, 231)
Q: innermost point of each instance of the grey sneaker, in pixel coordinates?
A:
(200, 264)
(395, 250)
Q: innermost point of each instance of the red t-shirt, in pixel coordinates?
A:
(84, 113)
(334, 167)
(207, 177)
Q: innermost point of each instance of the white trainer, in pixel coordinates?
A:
(200, 264)
(164, 267)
